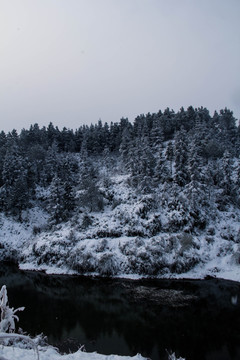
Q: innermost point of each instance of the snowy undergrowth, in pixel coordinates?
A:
(134, 235)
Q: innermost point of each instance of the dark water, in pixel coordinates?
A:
(195, 319)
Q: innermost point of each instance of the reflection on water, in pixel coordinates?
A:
(196, 319)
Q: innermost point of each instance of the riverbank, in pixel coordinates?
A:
(60, 250)
(212, 269)
(49, 353)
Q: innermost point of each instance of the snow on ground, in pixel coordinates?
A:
(222, 268)
(49, 353)
(71, 249)
(119, 242)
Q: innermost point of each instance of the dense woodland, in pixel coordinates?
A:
(188, 150)
(154, 196)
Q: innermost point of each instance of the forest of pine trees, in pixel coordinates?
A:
(188, 153)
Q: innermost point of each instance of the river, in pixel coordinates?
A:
(196, 319)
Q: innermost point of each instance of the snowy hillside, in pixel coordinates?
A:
(159, 197)
(118, 241)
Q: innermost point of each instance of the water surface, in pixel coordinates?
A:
(197, 319)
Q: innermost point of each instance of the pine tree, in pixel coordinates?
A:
(195, 189)
(156, 134)
(162, 172)
(170, 156)
(147, 165)
(89, 194)
(50, 165)
(3, 141)
(15, 189)
(56, 201)
(181, 158)
(226, 169)
(125, 146)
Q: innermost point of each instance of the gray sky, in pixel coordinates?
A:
(75, 61)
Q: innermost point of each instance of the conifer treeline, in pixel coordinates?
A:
(155, 127)
(189, 149)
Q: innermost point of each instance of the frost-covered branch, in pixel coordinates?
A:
(8, 316)
(21, 337)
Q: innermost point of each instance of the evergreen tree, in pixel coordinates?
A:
(156, 134)
(226, 170)
(56, 201)
(168, 123)
(50, 165)
(114, 137)
(181, 158)
(89, 194)
(125, 146)
(170, 156)
(15, 192)
(3, 141)
(61, 201)
(162, 172)
(195, 190)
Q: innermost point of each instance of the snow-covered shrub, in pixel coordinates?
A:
(134, 231)
(36, 230)
(72, 236)
(146, 204)
(184, 264)
(146, 256)
(186, 241)
(130, 247)
(50, 253)
(221, 201)
(154, 226)
(210, 239)
(115, 203)
(110, 233)
(225, 248)
(176, 220)
(226, 232)
(8, 316)
(237, 237)
(102, 246)
(198, 220)
(7, 323)
(107, 265)
(86, 221)
(82, 261)
(172, 356)
(211, 231)
(236, 258)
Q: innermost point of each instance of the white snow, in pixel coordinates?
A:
(118, 241)
(49, 353)
(217, 258)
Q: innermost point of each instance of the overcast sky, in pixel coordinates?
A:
(72, 62)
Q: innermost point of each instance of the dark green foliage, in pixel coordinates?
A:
(61, 200)
(15, 191)
(3, 140)
(188, 151)
(89, 195)
(181, 158)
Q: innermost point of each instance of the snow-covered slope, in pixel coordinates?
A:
(132, 236)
